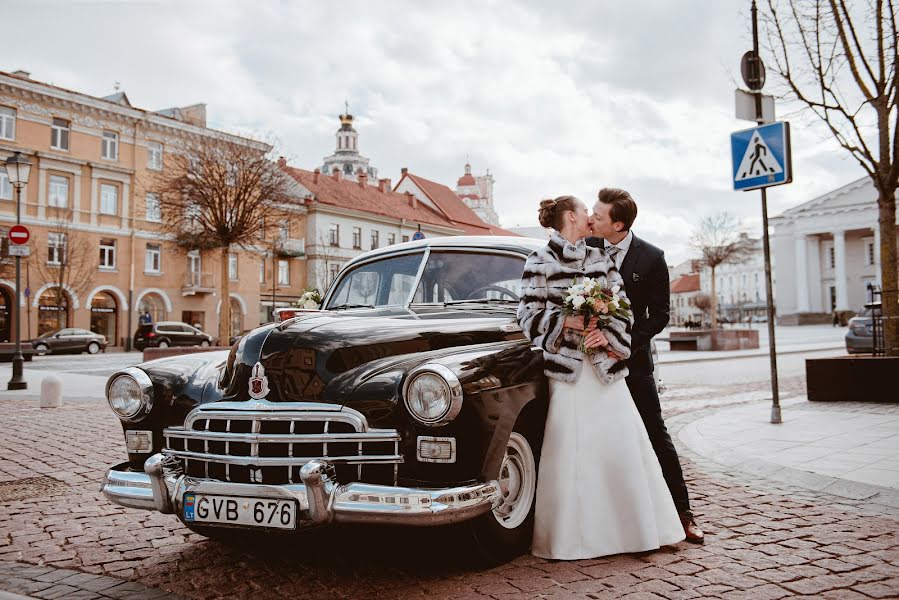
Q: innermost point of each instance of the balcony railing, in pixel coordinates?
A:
(197, 283)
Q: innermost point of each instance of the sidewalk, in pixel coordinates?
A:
(75, 386)
(847, 449)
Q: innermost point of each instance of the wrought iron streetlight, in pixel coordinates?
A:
(18, 168)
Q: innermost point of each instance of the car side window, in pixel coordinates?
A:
(453, 275)
(379, 283)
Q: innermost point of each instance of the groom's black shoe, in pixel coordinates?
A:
(691, 530)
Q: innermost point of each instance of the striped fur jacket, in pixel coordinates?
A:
(547, 274)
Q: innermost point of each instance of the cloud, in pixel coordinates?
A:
(552, 99)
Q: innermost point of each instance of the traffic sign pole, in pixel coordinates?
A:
(772, 345)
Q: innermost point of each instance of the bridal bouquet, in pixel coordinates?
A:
(590, 299)
(309, 299)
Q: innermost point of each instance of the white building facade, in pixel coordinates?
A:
(477, 194)
(828, 250)
(740, 287)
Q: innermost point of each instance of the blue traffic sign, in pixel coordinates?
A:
(761, 156)
(418, 235)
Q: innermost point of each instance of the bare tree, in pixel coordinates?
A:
(215, 195)
(718, 240)
(703, 302)
(318, 275)
(71, 259)
(839, 61)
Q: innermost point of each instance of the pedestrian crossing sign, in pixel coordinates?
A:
(761, 156)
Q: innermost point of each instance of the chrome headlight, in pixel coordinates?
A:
(130, 394)
(433, 394)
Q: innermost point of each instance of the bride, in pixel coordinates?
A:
(600, 489)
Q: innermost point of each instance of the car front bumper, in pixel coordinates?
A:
(320, 498)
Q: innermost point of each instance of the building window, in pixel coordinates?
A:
(154, 156)
(5, 185)
(232, 267)
(357, 237)
(153, 208)
(107, 253)
(110, 148)
(262, 271)
(153, 258)
(7, 123)
(284, 231)
(391, 239)
(334, 234)
(283, 272)
(869, 253)
(59, 191)
(374, 239)
(192, 211)
(59, 134)
(405, 238)
(333, 270)
(56, 248)
(109, 199)
(830, 256)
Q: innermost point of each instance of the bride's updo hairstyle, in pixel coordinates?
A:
(551, 211)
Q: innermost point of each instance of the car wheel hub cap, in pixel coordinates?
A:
(517, 482)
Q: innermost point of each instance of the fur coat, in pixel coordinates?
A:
(548, 272)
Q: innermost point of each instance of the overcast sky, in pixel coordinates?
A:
(554, 98)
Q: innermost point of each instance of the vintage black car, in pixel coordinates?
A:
(412, 398)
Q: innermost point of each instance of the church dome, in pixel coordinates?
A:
(467, 179)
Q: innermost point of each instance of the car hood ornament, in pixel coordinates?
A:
(258, 382)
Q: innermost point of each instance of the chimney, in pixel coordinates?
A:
(336, 174)
(282, 162)
(363, 178)
(412, 200)
(315, 175)
(384, 185)
(403, 171)
(23, 74)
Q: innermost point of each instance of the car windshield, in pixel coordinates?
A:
(453, 276)
(378, 283)
(864, 312)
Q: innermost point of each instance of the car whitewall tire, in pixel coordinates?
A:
(517, 481)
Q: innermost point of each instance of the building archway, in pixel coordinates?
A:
(54, 307)
(151, 308)
(105, 316)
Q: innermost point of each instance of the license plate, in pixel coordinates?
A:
(233, 510)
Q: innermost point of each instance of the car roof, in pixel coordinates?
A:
(488, 242)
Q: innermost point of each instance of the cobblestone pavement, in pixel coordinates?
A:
(765, 540)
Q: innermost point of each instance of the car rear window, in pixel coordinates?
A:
(144, 328)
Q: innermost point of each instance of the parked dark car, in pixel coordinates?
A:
(69, 340)
(170, 333)
(412, 398)
(860, 336)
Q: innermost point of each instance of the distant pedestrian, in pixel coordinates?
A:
(145, 318)
(836, 318)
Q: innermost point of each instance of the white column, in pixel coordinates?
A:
(877, 253)
(839, 250)
(95, 190)
(42, 194)
(802, 303)
(816, 288)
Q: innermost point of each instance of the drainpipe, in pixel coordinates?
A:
(130, 310)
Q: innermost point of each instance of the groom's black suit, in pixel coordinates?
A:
(645, 275)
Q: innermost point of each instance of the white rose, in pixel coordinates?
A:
(578, 301)
(311, 304)
(616, 289)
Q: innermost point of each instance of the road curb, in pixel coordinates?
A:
(754, 354)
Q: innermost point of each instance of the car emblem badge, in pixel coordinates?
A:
(258, 382)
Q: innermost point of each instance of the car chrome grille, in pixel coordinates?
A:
(268, 443)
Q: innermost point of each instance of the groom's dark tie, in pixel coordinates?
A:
(612, 251)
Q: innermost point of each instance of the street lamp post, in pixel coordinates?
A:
(18, 168)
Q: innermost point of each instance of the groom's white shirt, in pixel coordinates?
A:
(623, 246)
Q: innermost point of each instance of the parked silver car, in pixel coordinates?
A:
(860, 336)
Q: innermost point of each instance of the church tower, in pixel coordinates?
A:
(346, 155)
(477, 193)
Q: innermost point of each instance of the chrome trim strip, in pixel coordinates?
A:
(376, 435)
(421, 269)
(282, 461)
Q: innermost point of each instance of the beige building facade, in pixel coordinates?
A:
(99, 259)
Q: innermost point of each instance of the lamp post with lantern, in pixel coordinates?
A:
(18, 168)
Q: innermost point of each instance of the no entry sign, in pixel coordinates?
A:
(19, 234)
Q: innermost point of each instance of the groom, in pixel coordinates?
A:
(645, 274)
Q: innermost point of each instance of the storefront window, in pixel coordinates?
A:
(151, 309)
(104, 316)
(53, 311)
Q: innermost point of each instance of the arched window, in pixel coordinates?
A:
(53, 310)
(151, 304)
(236, 317)
(104, 316)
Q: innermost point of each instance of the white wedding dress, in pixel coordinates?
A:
(600, 489)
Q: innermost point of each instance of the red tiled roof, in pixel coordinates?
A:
(454, 208)
(685, 283)
(367, 198)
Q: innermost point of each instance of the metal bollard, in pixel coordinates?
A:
(51, 392)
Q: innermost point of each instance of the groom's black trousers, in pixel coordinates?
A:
(646, 397)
